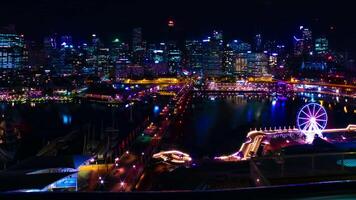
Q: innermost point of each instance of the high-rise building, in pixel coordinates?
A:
(303, 43)
(36, 54)
(270, 47)
(241, 64)
(12, 51)
(194, 54)
(174, 57)
(66, 40)
(119, 53)
(138, 47)
(228, 60)
(257, 64)
(307, 40)
(156, 59)
(51, 48)
(321, 45)
(136, 39)
(258, 42)
(213, 54)
(239, 46)
(218, 35)
(298, 45)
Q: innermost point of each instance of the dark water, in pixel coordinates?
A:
(44, 122)
(218, 125)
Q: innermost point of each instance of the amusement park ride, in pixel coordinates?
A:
(312, 119)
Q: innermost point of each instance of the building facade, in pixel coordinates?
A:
(12, 51)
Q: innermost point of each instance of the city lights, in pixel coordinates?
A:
(177, 99)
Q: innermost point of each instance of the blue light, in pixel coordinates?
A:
(347, 162)
(66, 119)
(156, 109)
(274, 102)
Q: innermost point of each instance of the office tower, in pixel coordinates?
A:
(257, 64)
(302, 41)
(228, 60)
(258, 43)
(119, 54)
(12, 50)
(174, 57)
(241, 64)
(136, 39)
(67, 40)
(213, 54)
(307, 40)
(194, 54)
(321, 45)
(239, 46)
(138, 47)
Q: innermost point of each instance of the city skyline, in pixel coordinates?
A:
(177, 99)
(273, 19)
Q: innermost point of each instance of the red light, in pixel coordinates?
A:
(170, 23)
(330, 57)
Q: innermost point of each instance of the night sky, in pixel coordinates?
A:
(275, 19)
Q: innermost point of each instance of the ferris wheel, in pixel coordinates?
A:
(311, 120)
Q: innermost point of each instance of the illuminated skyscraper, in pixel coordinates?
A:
(12, 51)
(194, 54)
(119, 53)
(66, 39)
(136, 39)
(258, 43)
(239, 46)
(257, 64)
(303, 43)
(241, 64)
(52, 51)
(297, 46)
(174, 57)
(228, 60)
(321, 45)
(307, 40)
(138, 47)
(213, 54)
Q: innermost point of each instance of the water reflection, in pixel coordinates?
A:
(220, 126)
(66, 119)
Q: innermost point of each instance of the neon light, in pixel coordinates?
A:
(173, 156)
(311, 119)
